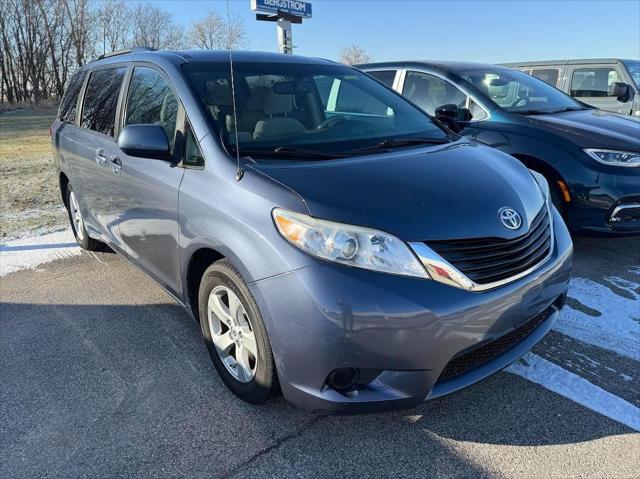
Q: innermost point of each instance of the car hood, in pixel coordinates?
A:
(593, 128)
(450, 191)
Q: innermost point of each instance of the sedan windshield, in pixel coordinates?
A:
(517, 92)
(318, 111)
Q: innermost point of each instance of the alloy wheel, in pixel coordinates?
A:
(76, 216)
(231, 334)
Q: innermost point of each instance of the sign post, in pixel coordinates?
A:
(284, 13)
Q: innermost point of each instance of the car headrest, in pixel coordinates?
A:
(219, 93)
(276, 104)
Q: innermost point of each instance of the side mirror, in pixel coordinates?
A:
(145, 141)
(622, 91)
(451, 115)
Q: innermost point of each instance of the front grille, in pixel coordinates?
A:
(485, 260)
(467, 360)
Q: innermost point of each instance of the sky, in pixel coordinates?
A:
(485, 31)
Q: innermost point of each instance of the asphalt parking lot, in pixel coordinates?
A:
(103, 375)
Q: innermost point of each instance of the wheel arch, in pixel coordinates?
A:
(64, 182)
(198, 263)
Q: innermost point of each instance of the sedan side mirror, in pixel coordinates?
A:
(145, 141)
(622, 91)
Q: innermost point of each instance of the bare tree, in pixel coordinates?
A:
(213, 31)
(154, 27)
(113, 26)
(43, 41)
(354, 55)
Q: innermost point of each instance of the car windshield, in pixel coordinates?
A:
(633, 66)
(306, 110)
(517, 92)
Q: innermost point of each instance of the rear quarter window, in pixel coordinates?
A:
(101, 100)
(69, 103)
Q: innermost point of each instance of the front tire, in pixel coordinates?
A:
(235, 334)
(77, 223)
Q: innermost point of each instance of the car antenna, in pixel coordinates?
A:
(239, 170)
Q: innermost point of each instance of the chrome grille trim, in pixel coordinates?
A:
(432, 262)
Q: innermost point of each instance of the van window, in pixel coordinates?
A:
(69, 103)
(517, 92)
(303, 111)
(192, 154)
(151, 101)
(593, 81)
(429, 92)
(548, 75)
(101, 100)
(385, 76)
(347, 97)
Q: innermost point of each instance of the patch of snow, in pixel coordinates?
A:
(617, 329)
(563, 382)
(32, 251)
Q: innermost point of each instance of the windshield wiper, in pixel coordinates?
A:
(288, 151)
(549, 112)
(388, 143)
(533, 112)
(570, 108)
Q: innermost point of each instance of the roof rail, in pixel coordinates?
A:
(126, 50)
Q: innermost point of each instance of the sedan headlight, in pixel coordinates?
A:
(350, 245)
(615, 157)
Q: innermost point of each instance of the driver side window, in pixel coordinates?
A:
(430, 92)
(150, 101)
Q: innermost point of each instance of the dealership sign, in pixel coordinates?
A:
(291, 7)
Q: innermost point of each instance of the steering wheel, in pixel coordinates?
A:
(334, 120)
(523, 99)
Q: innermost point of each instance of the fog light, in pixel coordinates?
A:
(343, 378)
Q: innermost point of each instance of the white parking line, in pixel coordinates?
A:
(615, 324)
(29, 252)
(559, 380)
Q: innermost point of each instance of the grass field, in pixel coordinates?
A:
(29, 195)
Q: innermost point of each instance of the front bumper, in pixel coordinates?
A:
(596, 203)
(326, 316)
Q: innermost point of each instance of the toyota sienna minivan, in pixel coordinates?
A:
(334, 242)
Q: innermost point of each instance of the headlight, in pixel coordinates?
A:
(615, 157)
(542, 183)
(350, 245)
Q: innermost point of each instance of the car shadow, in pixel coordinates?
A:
(135, 381)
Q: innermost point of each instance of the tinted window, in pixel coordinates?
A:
(430, 92)
(101, 100)
(593, 81)
(548, 75)
(317, 109)
(385, 76)
(347, 97)
(68, 105)
(151, 101)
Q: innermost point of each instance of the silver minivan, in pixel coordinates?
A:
(610, 84)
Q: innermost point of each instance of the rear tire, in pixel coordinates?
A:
(77, 223)
(235, 335)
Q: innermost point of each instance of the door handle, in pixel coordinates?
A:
(101, 160)
(116, 165)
